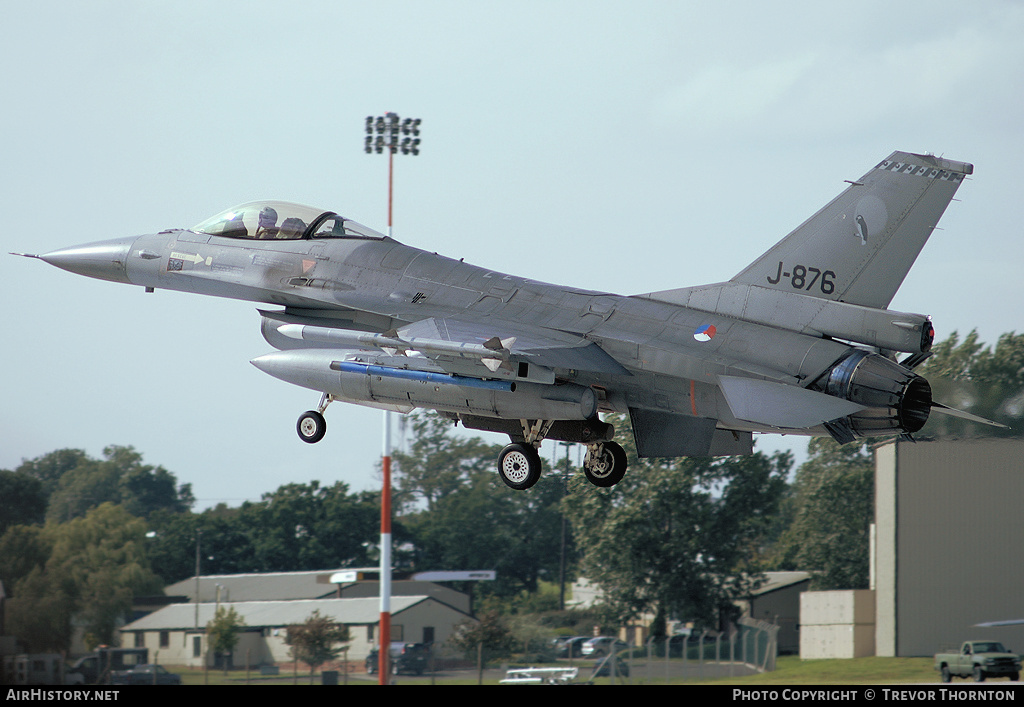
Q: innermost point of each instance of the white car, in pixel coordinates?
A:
(602, 645)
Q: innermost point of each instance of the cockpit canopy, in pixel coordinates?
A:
(282, 220)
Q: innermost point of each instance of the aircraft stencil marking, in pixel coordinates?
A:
(812, 348)
(194, 259)
(799, 278)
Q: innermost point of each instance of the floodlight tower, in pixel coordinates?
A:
(386, 133)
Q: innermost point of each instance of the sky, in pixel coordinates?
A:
(624, 147)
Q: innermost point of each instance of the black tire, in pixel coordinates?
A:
(979, 674)
(946, 676)
(519, 466)
(609, 467)
(311, 427)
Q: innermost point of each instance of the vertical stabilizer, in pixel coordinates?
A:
(860, 246)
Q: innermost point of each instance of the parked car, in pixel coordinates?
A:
(406, 658)
(602, 645)
(570, 646)
(96, 667)
(145, 674)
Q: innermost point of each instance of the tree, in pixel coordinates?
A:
(296, 527)
(22, 549)
(22, 499)
(144, 488)
(460, 516)
(490, 631)
(316, 641)
(93, 568)
(306, 526)
(50, 467)
(676, 537)
(74, 483)
(485, 525)
(833, 508)
(438, 462)
(981, 380)
(222, 633)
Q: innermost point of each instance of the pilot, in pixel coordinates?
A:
(292, 228)
(267, 224)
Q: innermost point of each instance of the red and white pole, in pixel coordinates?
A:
(384, 654)
(387, 129)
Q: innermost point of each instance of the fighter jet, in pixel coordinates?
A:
(800, 342)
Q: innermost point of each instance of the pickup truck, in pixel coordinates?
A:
(980, 660)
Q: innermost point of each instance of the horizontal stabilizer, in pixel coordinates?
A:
(953, 412)
(1008, 622)
(782, 406)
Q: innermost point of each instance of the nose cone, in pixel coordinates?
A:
(309, 368)
(104, 260)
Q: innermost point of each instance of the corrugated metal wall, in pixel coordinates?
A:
(950, 544)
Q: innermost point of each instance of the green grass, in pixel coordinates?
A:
(791, 670)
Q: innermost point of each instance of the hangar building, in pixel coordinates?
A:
(949, 544)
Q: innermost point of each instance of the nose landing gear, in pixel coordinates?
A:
(311, 425)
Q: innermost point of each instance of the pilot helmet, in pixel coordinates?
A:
(268, 217)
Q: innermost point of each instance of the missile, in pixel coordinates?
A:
(493, 353)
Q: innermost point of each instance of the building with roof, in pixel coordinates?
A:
(777, 601)
(176, 634)
(316, 584)
(421, 612)
(948, 553)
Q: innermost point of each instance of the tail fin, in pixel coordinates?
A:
(860, 247)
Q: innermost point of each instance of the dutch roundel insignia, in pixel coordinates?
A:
(705, 333)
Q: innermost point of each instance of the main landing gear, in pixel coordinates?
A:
(519, 463)
(605, 464)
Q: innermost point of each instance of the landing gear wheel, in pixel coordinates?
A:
(605, 464)
(311, 427)
(519, 466)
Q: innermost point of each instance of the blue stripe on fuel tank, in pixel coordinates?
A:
(422, 376)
